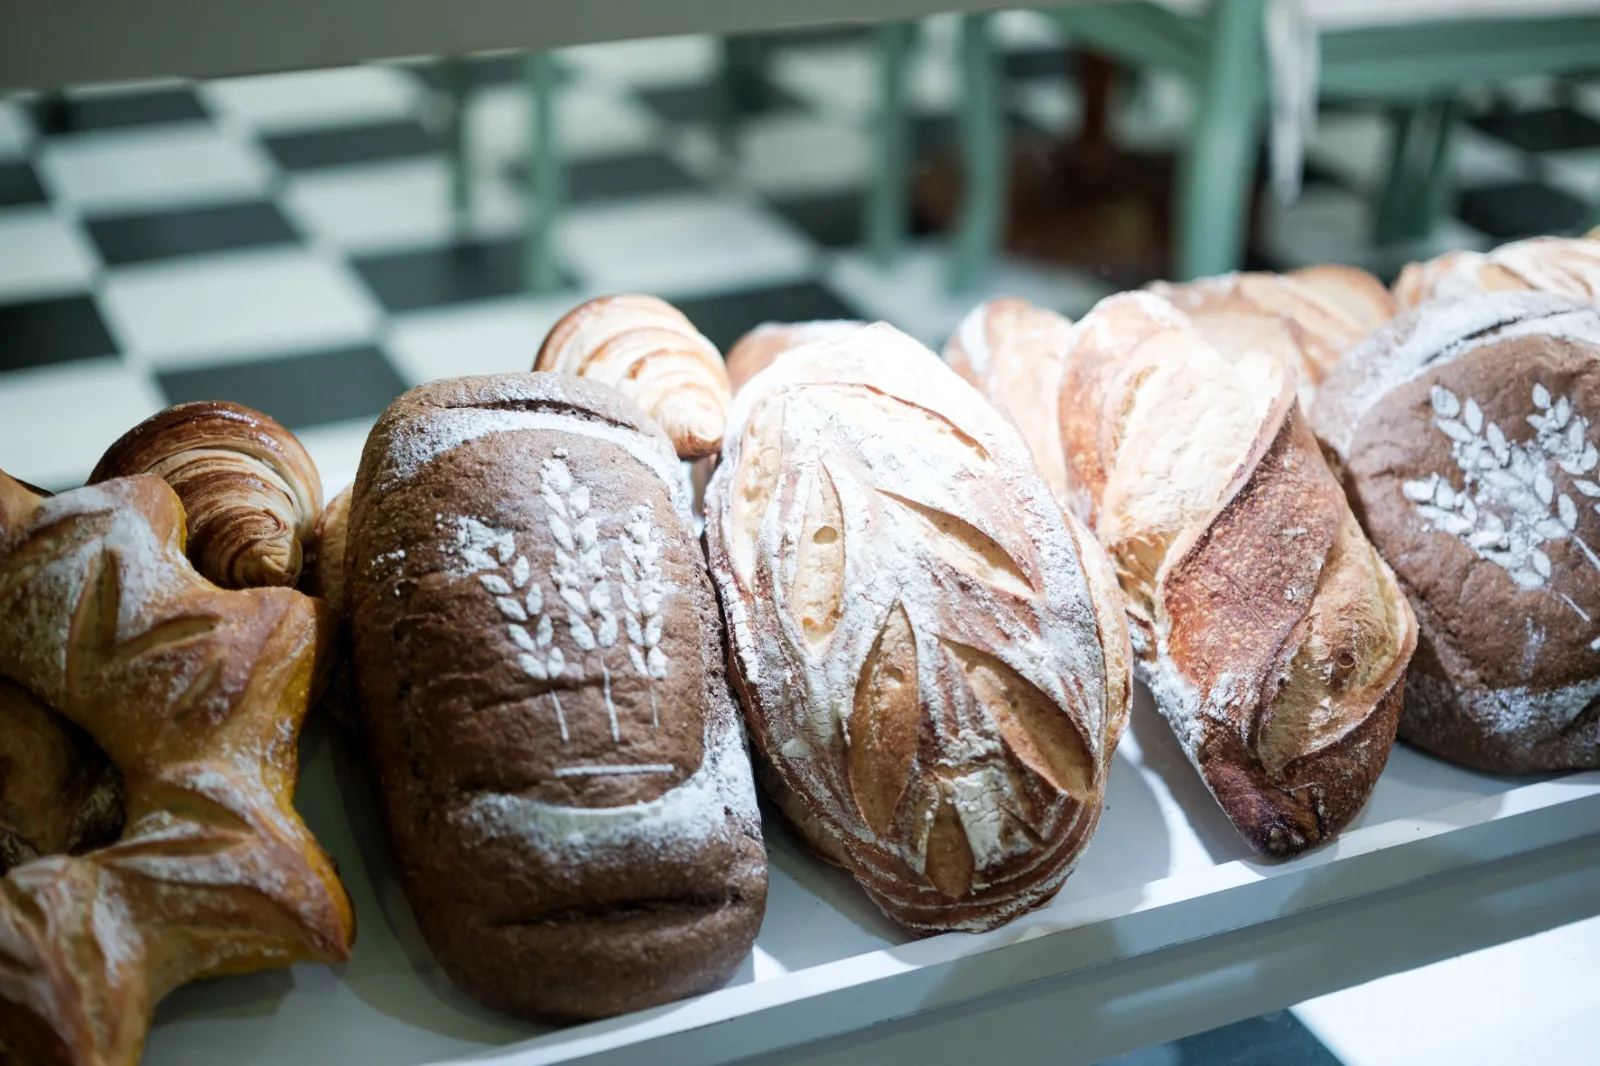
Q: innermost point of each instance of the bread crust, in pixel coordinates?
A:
(540, 671)
(1464, 435)
(1565, 266)
(1272, 636)
(922, 658)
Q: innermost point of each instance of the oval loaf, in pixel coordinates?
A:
(540, 672)
(1273, 637)
(1468, 433)
(934, 670)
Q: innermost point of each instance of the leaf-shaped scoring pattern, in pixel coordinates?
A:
(873, 513)
(1509, 508)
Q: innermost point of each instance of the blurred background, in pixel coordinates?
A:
(311, 243)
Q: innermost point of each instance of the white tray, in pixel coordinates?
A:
(1165, 868)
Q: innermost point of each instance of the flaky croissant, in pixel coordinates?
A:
(250, 492)
(646, 349)
(196, 694)
(1562, 265)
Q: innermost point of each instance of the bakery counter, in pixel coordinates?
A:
(1168, 926)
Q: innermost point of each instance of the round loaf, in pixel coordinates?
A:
(1567, 266)
(1466, 436)
(755, 351)
(542, 691)
(929, 672)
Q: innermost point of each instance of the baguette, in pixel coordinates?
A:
(1273, 637)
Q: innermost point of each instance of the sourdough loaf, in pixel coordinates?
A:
(1563, 265)
(934, 674)
(540, 669)
(1465, 435)
(756, 350)
(1012, 352)
(1306, 319)
(1273, 637)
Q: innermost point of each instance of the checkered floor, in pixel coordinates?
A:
(286, 240)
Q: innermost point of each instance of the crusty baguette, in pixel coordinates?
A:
(646, 349)
(1465, 434)
(1561, 265)
(543, 700)
(1307, 319)
(196, 694)
(933, 671)
(1274, 638)
(1012, 352)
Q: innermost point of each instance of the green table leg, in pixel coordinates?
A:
(544, 174)
(455, 137)
(1216, 175)
(742, 82)
(1417, 187)
(985, 158)
(887, 203)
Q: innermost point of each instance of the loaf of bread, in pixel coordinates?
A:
(934, 671)
(1274, 638)
(755, 351)
(196, 695)
(1306, 319)
(59, 794)
(1012, 352)
(250, 492)
(1563, 265)
(647, 350)
(540, 669)
(1465, 436)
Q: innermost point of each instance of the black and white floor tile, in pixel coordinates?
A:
(287, 241)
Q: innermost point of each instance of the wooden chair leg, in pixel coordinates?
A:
(888, 200)
(985, 158)
(545, 177)
(1216, 176)
(456, 87)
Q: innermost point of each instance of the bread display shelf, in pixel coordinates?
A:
(1164, 869)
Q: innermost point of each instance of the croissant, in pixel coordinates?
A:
(755, 351)
(250, 491)
(647, 349)
(196, 695)
(1307, 319)
(1563, 265)
(1272, 635)
(1012, 352)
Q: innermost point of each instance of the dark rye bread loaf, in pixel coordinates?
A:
(1465, 433)
(540, 667)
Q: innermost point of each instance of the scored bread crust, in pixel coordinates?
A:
(540, 671)
(1012, 352)
(756, 350)
(1465, 436)
(1273, 637)
(1307, 319)
(196, 694)
(1566, 266)
(932, 679)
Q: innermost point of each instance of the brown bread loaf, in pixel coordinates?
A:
(540, 669)
(755, 351)
(1012, 352)
(1273, 637)
(1466, 437)
(934, 672)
